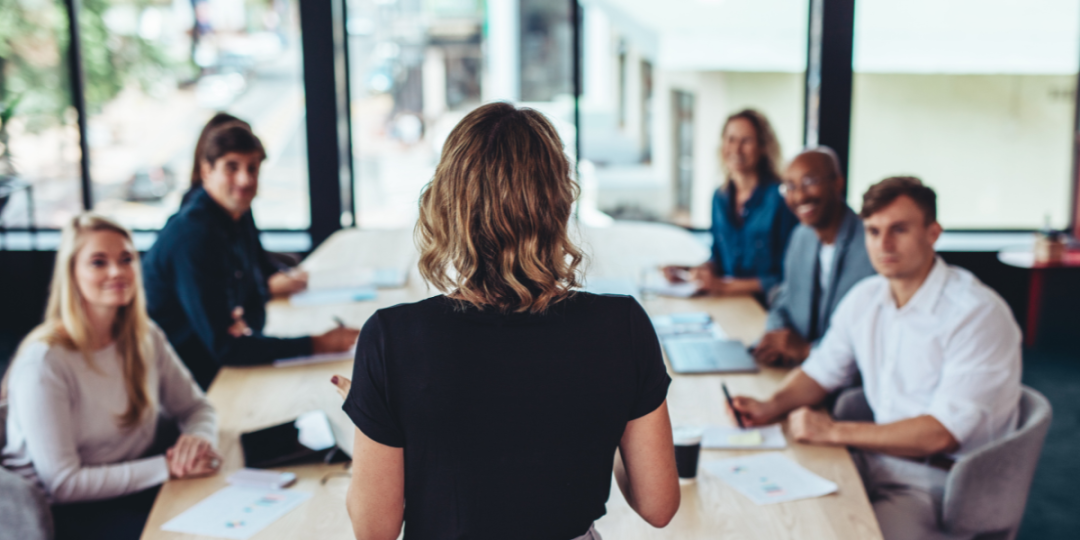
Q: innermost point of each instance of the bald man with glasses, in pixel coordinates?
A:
(826, 257)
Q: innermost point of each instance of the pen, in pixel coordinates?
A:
(340, 323)
(727, 395)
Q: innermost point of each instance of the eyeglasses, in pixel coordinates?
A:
(805, 184)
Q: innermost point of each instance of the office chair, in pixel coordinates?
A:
(987, 490)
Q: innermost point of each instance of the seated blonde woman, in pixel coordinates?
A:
(88, 385)
(500, 409)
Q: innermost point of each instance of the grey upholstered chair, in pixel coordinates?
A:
(987, 490)
(24, 510)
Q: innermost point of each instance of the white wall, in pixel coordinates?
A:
(996, 148)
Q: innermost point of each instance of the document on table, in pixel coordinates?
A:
(769, 478)
(735, 438)
(316, 358)
(345, 278)
(236, 512)
(674, 290)
(687, 324)
(654, 282)
(332, 296)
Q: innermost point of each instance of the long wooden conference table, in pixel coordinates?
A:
(252, 398)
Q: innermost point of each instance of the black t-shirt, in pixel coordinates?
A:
(509, 422)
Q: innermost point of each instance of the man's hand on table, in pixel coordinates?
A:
(812, 426)
(286, 283)
(339, 339)
(782, 348)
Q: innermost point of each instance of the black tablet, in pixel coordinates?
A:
(304, 440)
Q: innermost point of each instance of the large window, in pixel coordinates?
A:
(976, 97)
(417, 67)
(659, 79)
(156, 71)
(39, 140)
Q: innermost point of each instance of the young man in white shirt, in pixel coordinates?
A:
(939, 355)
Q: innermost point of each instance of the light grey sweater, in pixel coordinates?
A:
(63, 420)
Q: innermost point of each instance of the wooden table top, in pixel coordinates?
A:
(251, 398)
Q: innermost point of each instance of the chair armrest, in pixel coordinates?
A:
(851, 406)
(24, 510)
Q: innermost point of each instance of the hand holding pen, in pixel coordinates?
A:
(749, 412)
(339, 339)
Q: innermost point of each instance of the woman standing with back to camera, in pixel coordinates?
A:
(495, 411)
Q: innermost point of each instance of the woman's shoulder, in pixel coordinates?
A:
(156, 337)
(39, 358)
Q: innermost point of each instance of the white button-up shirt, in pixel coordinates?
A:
(952, 352)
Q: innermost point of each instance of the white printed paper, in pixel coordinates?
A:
(727, 438)
(236, 512)
(316, 358)
(769, 478)
(332, 296)
(348, 278)
(673, 290)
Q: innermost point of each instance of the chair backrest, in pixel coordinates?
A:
(851, 406)
(987, 490)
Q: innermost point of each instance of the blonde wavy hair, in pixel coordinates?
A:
(769, 165)
(493, 227)
(66, 323)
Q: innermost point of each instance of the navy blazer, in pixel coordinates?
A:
(203, 265)
(756, 248)
(792, 306)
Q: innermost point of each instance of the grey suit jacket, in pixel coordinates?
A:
(791, 308)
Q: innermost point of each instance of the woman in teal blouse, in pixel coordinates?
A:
(751, 224)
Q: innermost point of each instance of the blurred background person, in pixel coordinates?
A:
(751, 224)
(284, 279)
(206, 282)
(825, 258)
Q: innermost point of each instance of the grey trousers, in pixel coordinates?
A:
(591, 534)
(906, 496)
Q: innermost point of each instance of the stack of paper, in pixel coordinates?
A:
(769, 478)
(332, 296)
(347, 278)
(674, 290)
(316, 358)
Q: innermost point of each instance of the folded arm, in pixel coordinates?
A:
(921, 436)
